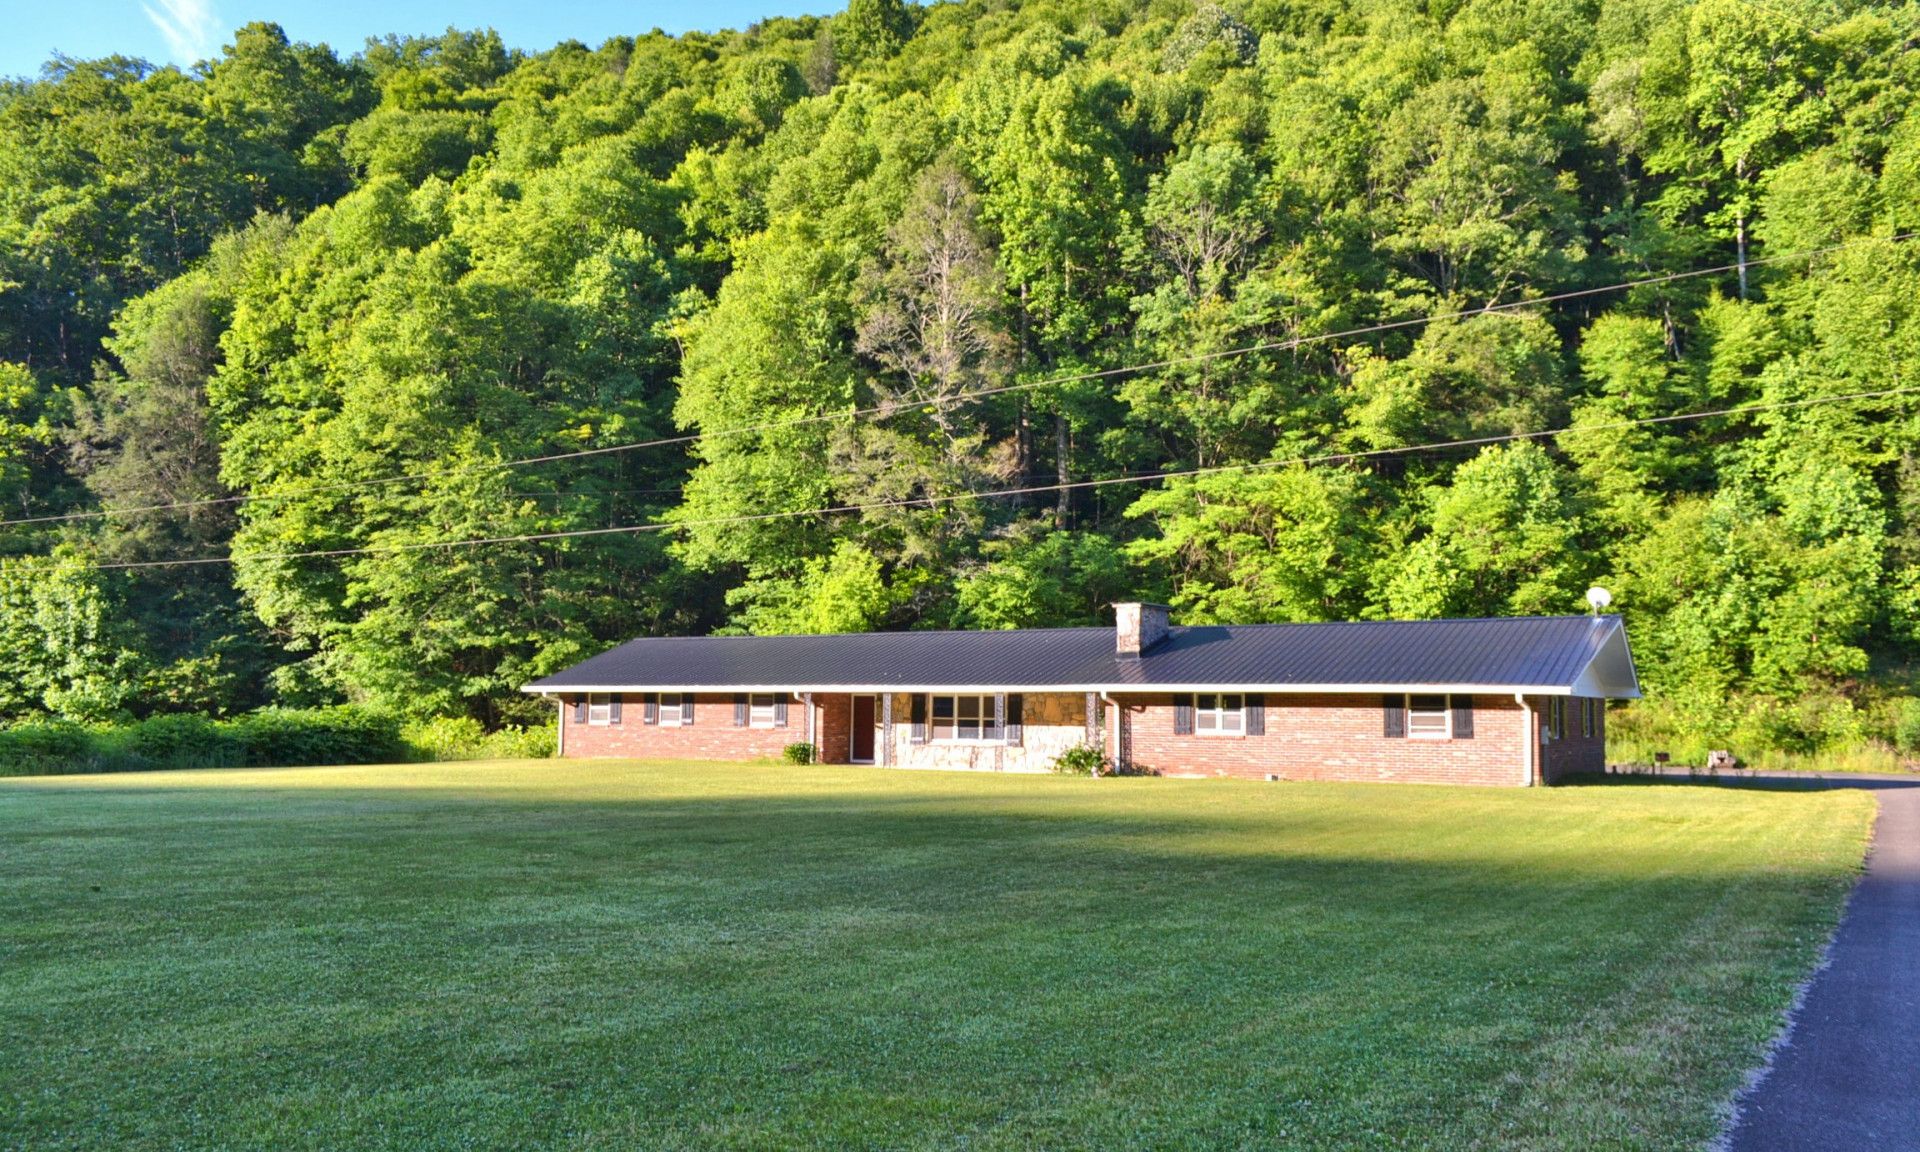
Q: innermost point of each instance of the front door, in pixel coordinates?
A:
(863, 727)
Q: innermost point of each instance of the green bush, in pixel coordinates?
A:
(1083, 760)
(1819, 731)
(798, 753)
(463, 738)
(45, 746)
(444, 738)
(278, 737)
(269, 738)
(173, 741)
(534, 742)
(1906, 724)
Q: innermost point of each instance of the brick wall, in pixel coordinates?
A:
(1329, 738)
(1575, 751)
(1306, 738)
(833, 727)
(711, 736)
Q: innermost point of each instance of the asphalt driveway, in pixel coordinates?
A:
(1848, 1076)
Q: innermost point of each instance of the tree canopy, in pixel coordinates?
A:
(912, 307)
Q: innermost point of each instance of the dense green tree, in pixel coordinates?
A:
(1221, 266)
(1032, 576)
(1276, 545)
(1504, 538)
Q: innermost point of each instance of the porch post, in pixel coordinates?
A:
(806, 702)
(1000, 726)
(886, 729)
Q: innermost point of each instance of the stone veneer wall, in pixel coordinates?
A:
(1052, 723)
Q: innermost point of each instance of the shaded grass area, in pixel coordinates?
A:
(576, 955)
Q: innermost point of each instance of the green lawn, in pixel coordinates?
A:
(617, 955)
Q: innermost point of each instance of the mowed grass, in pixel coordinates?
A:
(619, 955)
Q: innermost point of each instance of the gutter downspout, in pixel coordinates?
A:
(1526, 740)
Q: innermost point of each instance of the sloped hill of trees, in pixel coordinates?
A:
(904, 261)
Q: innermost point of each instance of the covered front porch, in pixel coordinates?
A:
(981, 731)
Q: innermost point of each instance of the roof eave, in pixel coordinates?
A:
(1065, 689)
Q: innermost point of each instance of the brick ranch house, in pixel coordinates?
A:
(1500, 701)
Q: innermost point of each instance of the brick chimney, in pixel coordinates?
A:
(1137, 628)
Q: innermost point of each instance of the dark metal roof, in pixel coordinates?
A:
(1543, 652)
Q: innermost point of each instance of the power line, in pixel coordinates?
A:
(1001, 493)
(885, 411)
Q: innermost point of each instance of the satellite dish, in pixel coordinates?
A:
(1598, 598)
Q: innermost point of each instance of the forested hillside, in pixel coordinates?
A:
(894, 262)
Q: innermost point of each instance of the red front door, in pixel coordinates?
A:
(863, 726)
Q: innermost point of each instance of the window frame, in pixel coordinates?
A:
(1417, 717)
(599, 709)
(662, 710)
(946, 707)
(754, 707)
(1223, 720)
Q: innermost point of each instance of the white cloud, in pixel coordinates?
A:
(191, 28)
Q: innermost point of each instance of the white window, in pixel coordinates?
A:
(964, 718)
(762, 712)
(599, 709)
(1219, 714)
(1429, 718)
(670, 709)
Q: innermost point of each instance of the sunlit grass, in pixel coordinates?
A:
(596, 955)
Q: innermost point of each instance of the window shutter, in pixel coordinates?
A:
(1395, 715)
(1016, 709)
(918, 715)
(780, 712)
(613, 708)
(739, 709)
(650, 708)
(686, 709)
(1183, 715)
(1256, 714)
(1462, 717)
(580, 710)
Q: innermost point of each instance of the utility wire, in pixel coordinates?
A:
(1002, 493)
(885, 411)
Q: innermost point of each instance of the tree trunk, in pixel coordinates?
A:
(1023, 443)
(1740, 227)
(1062, 454)
(1740, 246)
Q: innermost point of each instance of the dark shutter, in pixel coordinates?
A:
(918, 717)
(1395, 715)
(739, 709)
(1016, 707)
(1183, 715)
(686, 708)
(650, 708)
(1256, 714)
(580, 710)
(780, 712)
(1462, 717)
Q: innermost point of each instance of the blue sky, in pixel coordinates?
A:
(181, 31)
